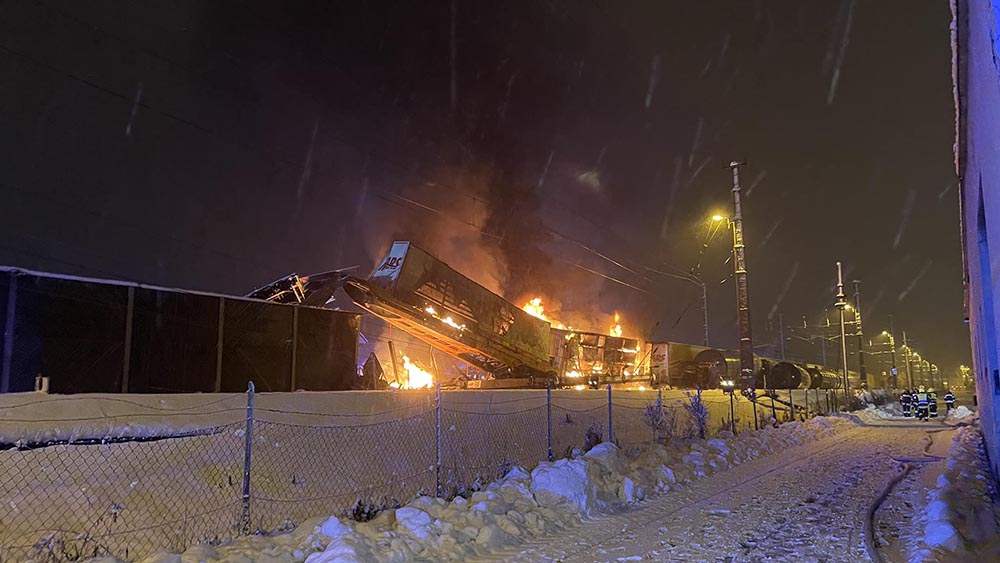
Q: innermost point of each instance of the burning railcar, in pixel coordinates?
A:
(426, 298)
(590, 358)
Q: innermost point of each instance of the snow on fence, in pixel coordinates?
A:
(120, 475)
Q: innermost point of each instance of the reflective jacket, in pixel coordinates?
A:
(922, 399)
(949, 398)
(905, 398)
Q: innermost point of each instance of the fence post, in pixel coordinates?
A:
(611, 422)
(548, 417)
(8, 334)
(127, 352)
(218, 344)
(791, 401)
(437, 472)
(659, 406)
(248, 448)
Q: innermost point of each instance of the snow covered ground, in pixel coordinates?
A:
(960, 518)
(801, 492)
(556, 500)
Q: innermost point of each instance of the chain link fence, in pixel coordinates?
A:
(129, 496)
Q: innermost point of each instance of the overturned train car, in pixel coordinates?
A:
(426, 298)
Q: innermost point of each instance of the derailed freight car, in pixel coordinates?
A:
(426, 298)
(590, 358)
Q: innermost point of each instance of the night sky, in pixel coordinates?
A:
(539, 147)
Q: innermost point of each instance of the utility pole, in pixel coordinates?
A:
(742, 285)
(842, 306)
(704, 308)
(892, 344)
(781, 333)
(906, 358)
(861, 340)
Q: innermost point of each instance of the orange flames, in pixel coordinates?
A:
(417, 378)
(535, 308)
(616, 328)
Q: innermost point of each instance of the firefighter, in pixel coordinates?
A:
(932, 402)
(905, 400)
(922, 403)
(949, 401)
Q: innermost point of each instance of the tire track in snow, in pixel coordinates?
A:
(589, 541)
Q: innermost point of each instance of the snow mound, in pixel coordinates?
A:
(959, 413)
(563, 484)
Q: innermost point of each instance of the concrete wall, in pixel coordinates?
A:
(978, 163)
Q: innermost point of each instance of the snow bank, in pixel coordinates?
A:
(959, 413)
(520, 505)
(960, 514)
(563, 485)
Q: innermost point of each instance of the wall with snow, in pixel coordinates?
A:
(978, 146)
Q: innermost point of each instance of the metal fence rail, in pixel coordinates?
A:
(259, 472)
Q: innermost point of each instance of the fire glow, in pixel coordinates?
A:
(535, 308)
(417, 378)
(446, 320)
(616, 328)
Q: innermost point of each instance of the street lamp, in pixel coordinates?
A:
(694, 276)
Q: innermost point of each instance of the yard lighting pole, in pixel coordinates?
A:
(742, 286)
(842, 306)
(861, 339)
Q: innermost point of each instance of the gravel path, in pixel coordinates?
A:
(807, 504)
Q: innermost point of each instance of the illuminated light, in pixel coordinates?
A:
(642, 388)
(626, 373)
(431, 310)
(579, 387)
(631, 350)
(598, 367)
(717, 217)
(394, 385)
(616, 328)
(573, 374)
(417, 378)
